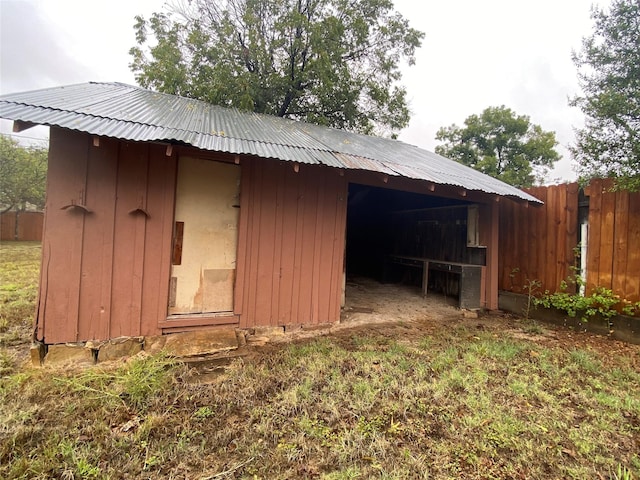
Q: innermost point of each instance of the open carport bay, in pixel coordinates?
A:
(391, 234)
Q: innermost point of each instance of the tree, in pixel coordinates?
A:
(502, 145)
(609, 75)
(23, 175)
(329, 62)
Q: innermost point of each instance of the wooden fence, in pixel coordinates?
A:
(613, 259)
(538, 244)
(29, 226)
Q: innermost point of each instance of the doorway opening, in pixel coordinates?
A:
(424, 242)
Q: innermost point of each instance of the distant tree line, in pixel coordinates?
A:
(23, 175)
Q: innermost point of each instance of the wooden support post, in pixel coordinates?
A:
(489, 229)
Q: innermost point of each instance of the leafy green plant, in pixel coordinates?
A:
(631, 309)
(602, 301)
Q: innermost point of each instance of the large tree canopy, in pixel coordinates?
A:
(502, 145)
(329, 62)
(23, 175)
(609, 73)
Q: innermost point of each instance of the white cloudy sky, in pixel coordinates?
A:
(475, 54)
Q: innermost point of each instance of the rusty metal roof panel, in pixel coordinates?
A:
(132, 113)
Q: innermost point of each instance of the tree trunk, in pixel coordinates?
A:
(16, 229)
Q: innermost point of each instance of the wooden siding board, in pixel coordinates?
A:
(551, 239)
(298, 268)
(620, 248)
(158, 245)
(129, 241)
(632, 283)
(571, 228)
(66, 181)
(289, 208)
(243, 240)
(266, 246)
(307, 271)
(289, 245)
(338, 247)
(606, 239)
(276, 272)
(317, 249)
(256, 210)
(512, 266)
(593, 248)
(97, 249)
(530, 258)
(326, 258)
(517, 245)
(246, 319)
(562, 262)
(541, 239)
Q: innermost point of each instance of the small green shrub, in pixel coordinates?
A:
(602, 301)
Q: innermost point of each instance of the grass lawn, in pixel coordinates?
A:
(19, 273)
(461, 398)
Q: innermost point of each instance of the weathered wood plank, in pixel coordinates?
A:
(309, 221)
(620, 247)
(562, 261)
(540, 238)
(632, 283)
(242, 266)
(595, 229)
(97, 251)
(552, 224)
(338, 247)
(158, 240)
(63, 240)
(266, 246)
(254, 234)
(572, 227)
(289, 212)
(607, 228)
(276, 268)
(128, 241)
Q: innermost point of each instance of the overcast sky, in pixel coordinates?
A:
(475, 54)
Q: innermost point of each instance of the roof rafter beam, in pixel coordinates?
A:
(21, 126)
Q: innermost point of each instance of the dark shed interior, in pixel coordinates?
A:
(383, 223)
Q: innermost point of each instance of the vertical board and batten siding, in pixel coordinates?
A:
(613, 249)
(537, 243)
(290, 244)
(105, 272)
(29, 226)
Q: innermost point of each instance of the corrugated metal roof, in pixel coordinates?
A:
(132, 113)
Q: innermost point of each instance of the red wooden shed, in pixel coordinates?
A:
(166, 214)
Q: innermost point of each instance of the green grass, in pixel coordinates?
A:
(19, 273)
(455, 403)
(476, 406)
